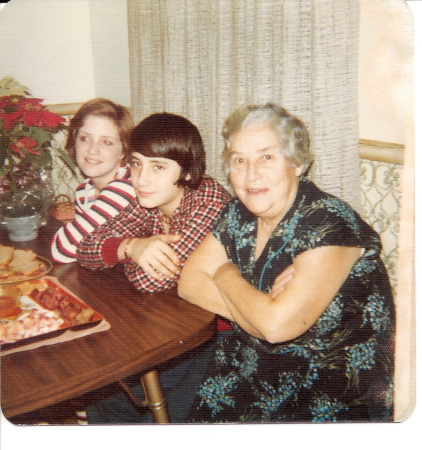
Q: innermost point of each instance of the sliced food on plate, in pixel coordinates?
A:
(6, 255)
(45, 306)
(65, 305)
(19, 265)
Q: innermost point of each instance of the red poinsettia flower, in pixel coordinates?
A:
(24, 144)
(41, 118)
(10, 120)
(29, 103)
(26, 130)
(5, 101)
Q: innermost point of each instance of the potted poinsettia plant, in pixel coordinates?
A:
(27, 128)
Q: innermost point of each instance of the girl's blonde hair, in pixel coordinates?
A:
(101, 107)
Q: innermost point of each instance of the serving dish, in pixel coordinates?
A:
(47, 309)
(45, 267)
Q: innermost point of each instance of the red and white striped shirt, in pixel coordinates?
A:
(91, 212)
(196, 215)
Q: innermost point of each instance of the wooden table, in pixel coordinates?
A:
(146, 330)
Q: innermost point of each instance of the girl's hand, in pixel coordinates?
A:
(281, 281)
(155, 256)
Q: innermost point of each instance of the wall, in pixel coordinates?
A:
(110, 49)
(37, 40)
(70, 51)
(385, 70)
(66, 51)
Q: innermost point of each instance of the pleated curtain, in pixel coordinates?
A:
(203, 58)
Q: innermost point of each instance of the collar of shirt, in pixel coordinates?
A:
(88, 189)
(188, 201)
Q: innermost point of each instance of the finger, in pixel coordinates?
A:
(149, 270)
(161, 251)
(287, 272)
(170, 253)
(170, 237)
(162, 271)
(158, 269)
(277, 290)
(290, 270)
(165, 265)
(282, 281)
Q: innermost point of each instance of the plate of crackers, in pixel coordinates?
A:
(17, 266)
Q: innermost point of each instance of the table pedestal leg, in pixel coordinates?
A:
(155, 397)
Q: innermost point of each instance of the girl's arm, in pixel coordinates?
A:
(111, 201)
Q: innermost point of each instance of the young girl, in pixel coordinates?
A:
(98, 139)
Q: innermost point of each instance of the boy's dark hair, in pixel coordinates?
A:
(174, 137)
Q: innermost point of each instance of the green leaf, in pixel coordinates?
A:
(40, 135)
(42, 160)
(8, 86)
(16, 130)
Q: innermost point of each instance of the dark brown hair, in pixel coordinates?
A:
(101, 107)
(174, 137)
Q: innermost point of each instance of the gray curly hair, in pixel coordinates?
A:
(293, 135)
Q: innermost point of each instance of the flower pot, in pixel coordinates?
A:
(23, 228)
(22, 216)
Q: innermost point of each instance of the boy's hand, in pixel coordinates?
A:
(155, 256)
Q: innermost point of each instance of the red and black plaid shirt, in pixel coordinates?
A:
(193, 219)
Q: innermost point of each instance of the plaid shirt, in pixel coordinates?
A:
(193, 219)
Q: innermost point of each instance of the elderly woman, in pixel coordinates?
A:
(299, 275)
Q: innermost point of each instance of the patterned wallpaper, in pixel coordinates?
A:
(380, 196)
(64, 180)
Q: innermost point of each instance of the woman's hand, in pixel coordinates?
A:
(227, 270)
(154, 255)
(281, 281)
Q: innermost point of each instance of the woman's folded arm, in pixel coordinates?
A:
(196, 284)
(318, 275)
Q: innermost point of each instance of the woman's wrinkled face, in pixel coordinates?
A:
(262, 177)
(155, 182)
(99, 150)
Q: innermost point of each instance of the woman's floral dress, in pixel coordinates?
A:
(341, 369)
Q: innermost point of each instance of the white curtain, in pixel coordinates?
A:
(203, 58)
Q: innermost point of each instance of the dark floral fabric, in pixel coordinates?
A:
(341, 369)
